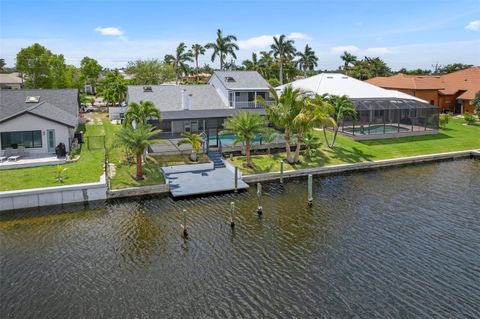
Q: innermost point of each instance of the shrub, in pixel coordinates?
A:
(444, 119)
(469, 118)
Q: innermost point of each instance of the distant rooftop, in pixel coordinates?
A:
(341, 84)
(241, 80)
(10, 78)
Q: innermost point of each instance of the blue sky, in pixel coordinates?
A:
(405, 33)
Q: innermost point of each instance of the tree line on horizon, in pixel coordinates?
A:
(283, 63)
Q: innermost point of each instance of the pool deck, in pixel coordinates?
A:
(201, 182)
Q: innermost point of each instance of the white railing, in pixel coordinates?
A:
(250, 104)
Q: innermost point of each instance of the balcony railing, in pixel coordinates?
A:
(250, 104)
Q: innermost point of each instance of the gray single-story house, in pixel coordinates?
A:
(38, 119)
(198, 108)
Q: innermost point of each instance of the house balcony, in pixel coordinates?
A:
(250, 104)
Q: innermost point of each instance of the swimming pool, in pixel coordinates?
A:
(228, 139)
(375, 129)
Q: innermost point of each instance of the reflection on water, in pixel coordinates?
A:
(391, 243)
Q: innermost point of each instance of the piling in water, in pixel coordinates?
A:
(281, 172)
(310, 196)
(259, 196)
(232, 214)
(184, 224)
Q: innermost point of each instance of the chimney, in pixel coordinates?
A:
(184, 99)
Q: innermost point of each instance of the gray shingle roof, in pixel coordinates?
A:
(206, 114)
(169, 97)
(242, 80)
(59, 105)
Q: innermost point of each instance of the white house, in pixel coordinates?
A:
(38, 119)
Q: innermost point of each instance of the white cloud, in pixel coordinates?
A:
(298, 36)
(109, 31)
(259, 42)
(264, 41)
(377, 51)
(473, 25)
(348, 48)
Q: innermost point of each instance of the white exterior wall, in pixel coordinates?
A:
(29, 122)
(114, 112)
(221, 89)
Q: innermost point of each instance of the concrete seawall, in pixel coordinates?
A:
(138, 191)
(57, 195)
(361, 166)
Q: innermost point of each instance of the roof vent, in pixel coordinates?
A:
(229, 79)
(345, 77)
(147, 89)
(32, 99)
(329, 77)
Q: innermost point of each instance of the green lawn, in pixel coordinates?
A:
(455, 137)
(87, 169)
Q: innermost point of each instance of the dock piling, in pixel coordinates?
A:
(310, 196)
(259, 196)
(232, 214)
(281, 172)
(184, 224)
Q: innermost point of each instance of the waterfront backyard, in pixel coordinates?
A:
(390, 243)
(456, 136)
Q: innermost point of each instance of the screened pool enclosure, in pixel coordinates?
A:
(383, 118)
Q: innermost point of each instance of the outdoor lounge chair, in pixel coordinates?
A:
(14, 155)
(2, 158)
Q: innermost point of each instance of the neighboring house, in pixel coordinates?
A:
(10, 81)
(38, 119)
(381, 113)
(451, 92)
(196, 108)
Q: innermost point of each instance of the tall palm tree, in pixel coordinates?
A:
(253, 64)
(195, 140)
(223, 46)
(140, 113)
(136, 141)
(282, 112)
(282, 50)
(245, 125)
(307, 60)
(339, 107)
(266, 65)
(348, 59)
(196, 51)
(179, 60)
(308, 114)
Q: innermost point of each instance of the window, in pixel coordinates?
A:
(28, 139)
(229, 79)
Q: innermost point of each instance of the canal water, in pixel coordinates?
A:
(393, 243)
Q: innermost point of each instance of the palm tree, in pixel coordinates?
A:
(266, 65)
(193, 139)
(196, 51)
(348, 59)
(283, 110)
(339, 107)
(311, 142)
(245, 125)
(282, 50)
(140, 113)
(308, 60)
(223, 46)
(179, 60)
(136, 141)
(308, 114)
(253, 64)
(268, 136)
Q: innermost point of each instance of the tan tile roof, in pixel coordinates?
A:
(467, 80)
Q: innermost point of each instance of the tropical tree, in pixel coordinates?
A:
(449, 68)
(282, 50)
(283, 111)
(308, 114)
(339, 107)
(33, 62)
(150, 71)
(268, 136)
(2, 65)
(245, 125)
(140, 113)
(311, 142)
(90, 70)
(179, 60)
(196, 51)
(222, 47)
(348, 59)
(195, 140)
(253, 64)
(307, 60)
(136, 140)
(267, 66)
(476, 103)
(113, 88)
